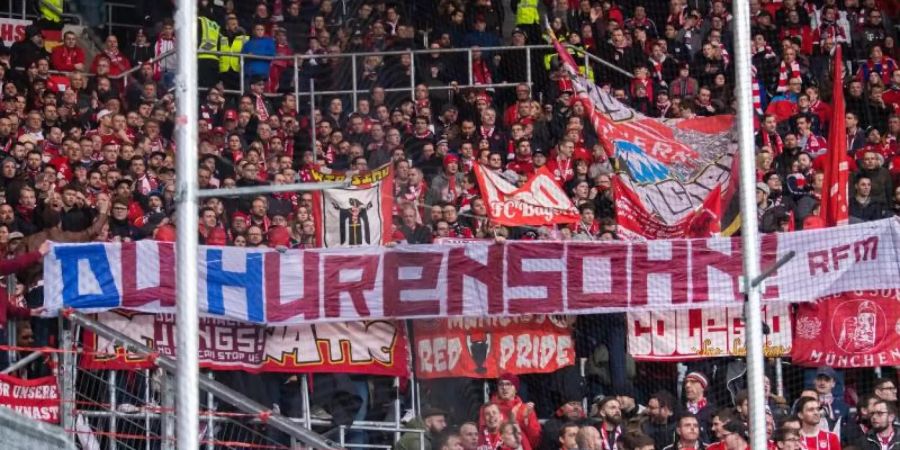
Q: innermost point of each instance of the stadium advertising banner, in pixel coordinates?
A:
(373, 347)
(36, 398)
(704, 333)
(853, 329)
(484, 347)
(476, 279)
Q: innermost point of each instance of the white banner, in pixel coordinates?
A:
(12, 30)
(474, 279)
(704, 333)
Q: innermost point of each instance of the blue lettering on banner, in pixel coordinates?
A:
(642, 167)
(251, 281)
(95, 255)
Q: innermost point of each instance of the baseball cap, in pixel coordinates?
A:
(231, 114)
(826, 371)
(16, 235)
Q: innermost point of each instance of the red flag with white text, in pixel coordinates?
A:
(853, 329)
(539, 202)
(673, 166)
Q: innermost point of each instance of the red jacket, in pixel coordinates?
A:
(64, 58)
(516, 408)
(17, 264)
(8, 266)
(8, 309)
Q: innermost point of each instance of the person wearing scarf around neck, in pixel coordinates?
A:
(512, 406)
(492, 420)
(695, 384)
(884, 435)
(610, 413)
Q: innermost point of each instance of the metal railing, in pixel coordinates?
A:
(468, 80)
(110, 22)
(97, 399)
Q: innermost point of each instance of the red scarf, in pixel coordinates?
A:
(785, 74)
(261, 110)
(886, 440)
(695, 408)
(776, 144)
(27, 212)
(757, 98)
(605, 437)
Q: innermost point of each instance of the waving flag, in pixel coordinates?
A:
(834, 209)
(539, 202)
(673, 167)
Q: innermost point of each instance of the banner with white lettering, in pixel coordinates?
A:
(37, 398)
(849, 330)
(704, 333)
(483, 347)
(12, 30)
(540, 201)
(672, 166)
(370, 347)
(475, 279)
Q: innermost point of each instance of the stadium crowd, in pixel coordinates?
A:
(88, 155)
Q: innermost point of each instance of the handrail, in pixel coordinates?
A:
(20, 364)
(138, 66)
(221, 391)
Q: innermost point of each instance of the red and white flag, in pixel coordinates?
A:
(834, 209)
(674, 167)
(539, 202)
(635, 221)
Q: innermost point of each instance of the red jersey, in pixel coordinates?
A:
(563, 169)
(823, 440)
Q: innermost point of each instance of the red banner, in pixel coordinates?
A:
(489, 347)
(37, 398)
(539, 202)
(635, 221)
(854, 329)
(704, 333)
(374, 347)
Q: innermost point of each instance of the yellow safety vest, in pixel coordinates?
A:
(231, 63)
(51, 10)
(209, 38)
(527, 12)
(578, 55)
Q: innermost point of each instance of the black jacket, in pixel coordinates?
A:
(871, 442)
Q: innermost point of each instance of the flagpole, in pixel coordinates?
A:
(749, 226)
(187, 405)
